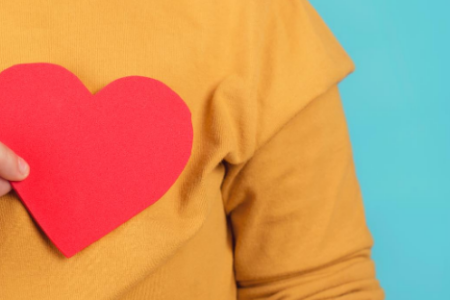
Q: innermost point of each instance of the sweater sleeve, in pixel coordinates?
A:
(295, 206)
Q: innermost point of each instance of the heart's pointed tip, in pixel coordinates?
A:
(68, 253)
(66, 249)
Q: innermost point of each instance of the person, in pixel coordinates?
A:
(269, 205)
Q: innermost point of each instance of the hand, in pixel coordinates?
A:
(12, 167)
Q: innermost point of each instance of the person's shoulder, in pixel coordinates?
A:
(296, 58)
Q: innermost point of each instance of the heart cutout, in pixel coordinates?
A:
(95, 160)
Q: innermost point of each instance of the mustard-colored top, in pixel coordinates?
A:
(268, 206)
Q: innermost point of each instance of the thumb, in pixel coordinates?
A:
(12, 166)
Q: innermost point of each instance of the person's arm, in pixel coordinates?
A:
(297, 213)
(295, 206)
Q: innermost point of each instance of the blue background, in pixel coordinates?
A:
(397, 104)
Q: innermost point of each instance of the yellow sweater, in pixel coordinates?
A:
(268, 206)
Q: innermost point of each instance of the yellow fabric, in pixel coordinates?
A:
(268, 206)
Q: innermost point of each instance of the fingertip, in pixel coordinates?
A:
(24, 168)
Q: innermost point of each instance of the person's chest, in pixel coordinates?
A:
(182, 243)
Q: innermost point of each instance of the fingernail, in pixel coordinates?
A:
(23, 166)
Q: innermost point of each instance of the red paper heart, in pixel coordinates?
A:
(96, 160)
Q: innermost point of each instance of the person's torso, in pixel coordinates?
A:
(181, 245)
